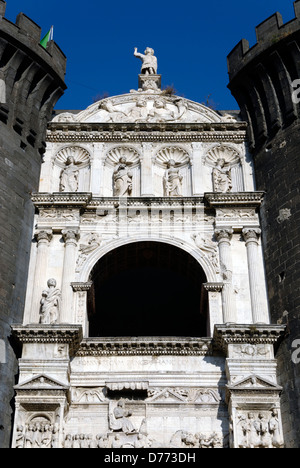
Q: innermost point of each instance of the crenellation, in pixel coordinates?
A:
(28, 27)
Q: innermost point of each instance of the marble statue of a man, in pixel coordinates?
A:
(122, 179)
(50, 304)
(149, 66)
(69, 176)
(172, 181)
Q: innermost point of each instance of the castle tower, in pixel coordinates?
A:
(262, 79)
(31, 81)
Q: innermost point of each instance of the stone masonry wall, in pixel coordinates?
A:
(31, 81)
(261, 80)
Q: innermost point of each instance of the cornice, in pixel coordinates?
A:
(228, 334)
(41, 200)
(146, 347)
(143, 132)
(234, 199)
(57, 334)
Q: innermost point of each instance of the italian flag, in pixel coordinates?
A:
(47, 38)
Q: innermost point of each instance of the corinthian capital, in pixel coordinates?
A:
(251, 234)
(70, 235)
(44, 236)
(224, 234)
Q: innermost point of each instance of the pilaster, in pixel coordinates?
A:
(253, 394)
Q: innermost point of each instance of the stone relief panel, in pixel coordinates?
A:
(71, 170)
(259, 430)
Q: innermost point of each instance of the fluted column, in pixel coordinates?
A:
(224, 237)
(71, 237)
(251, 236)
(40, 278)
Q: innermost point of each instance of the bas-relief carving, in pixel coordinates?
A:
(38, 434)
(92, 242)
(209, 248)
(259, 430)
(50, 304)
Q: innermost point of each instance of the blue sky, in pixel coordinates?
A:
(191, 38)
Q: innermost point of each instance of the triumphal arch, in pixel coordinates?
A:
(146, 321)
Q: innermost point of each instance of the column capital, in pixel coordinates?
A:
(224, 234)
(251, 234)
(44, 236)
(70, 235)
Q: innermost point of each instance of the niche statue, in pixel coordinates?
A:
(172, 181)
(122, 179)
(50, 304)
(69, 176)
(222, 177)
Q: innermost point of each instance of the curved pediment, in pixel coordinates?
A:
(142, 107)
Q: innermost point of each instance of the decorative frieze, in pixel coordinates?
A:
(146, 347)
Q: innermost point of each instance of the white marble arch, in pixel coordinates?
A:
(209, 270)
(215, 306)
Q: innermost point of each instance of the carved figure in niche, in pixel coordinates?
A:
(222, 177)
(119, 420)
(69, 176)
(149, 66)
(122, 179)
(172, 181)
(50, 304)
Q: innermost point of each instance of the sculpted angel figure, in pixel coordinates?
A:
(50, 304)
(122, 179)
(149, 66)
(69, 176)
(222, 177)
(172, 181)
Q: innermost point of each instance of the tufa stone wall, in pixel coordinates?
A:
(261, 81)
(31, 81)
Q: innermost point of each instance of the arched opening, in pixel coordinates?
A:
(147, 289)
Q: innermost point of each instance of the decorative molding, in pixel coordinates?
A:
(146, 347)
(82, 286)
(234, 199)
(59, 334)
(61, 199)
(228, 334)
(213, 287)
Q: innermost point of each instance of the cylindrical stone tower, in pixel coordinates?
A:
(262, 79)
(31, 82)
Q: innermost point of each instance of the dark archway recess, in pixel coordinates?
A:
(148, 289)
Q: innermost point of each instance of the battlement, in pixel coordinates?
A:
(31, 79)
(268, 33)
(25, 34)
